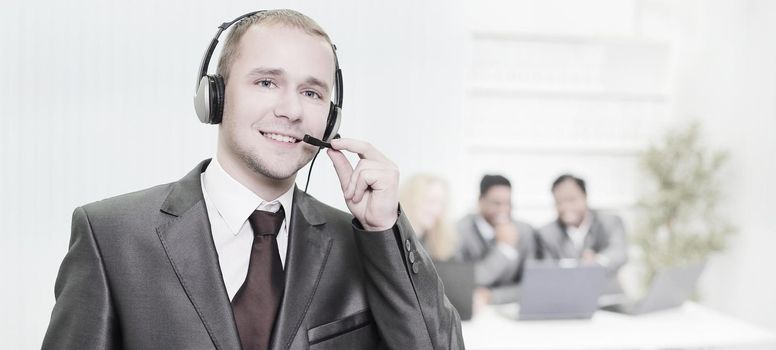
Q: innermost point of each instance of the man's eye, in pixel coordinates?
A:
(312, 94)
(265, 83)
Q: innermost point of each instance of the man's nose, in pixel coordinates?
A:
(289, 106)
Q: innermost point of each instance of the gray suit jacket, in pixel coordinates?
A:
(142, 272)
(492, 268)
(606, 237)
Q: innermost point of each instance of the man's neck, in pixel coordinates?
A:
(265, 187)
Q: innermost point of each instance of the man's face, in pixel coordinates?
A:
(496, 204)
(278, 90)
(570, 202)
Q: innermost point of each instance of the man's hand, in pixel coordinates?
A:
(506, 233)
(590, 257)
(480, 299)
(371, 189)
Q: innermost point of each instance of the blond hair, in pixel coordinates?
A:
(285, 17)
(441, 240)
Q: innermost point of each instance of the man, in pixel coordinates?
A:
(233, 255)
(498, 245)
(582, 234)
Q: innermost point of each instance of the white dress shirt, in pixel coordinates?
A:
(579, 234)
(229, 204)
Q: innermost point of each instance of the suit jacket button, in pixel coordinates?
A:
(415, 268)
(412, 257)
(408, 245)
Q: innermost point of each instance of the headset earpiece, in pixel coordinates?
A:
(202, 99)
(332, 122)
(209, 99)
(334, 119)
(217, 102)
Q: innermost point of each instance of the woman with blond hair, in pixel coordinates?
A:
(424, 199)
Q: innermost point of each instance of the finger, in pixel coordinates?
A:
(354, 186)
(372, 180)
(362, 148)
(366, 178)
(341, 166)
(362, 164)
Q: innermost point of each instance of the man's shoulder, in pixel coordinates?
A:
(466, 222)
(140, 202)
(552, 228)
(607, 218)
(525, 227)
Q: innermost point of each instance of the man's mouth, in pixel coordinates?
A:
(279, 137)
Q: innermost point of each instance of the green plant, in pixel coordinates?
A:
(679, 222)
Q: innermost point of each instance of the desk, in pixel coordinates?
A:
(691, 326)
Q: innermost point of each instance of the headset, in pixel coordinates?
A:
(210, 88)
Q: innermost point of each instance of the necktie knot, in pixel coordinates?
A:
(266, 223)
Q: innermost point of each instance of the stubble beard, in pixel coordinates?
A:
(263, 168)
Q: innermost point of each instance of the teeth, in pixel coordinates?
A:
(280, 138)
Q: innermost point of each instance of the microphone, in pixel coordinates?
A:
(317, 142)
(321, 145)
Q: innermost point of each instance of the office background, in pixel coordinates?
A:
(96, 101)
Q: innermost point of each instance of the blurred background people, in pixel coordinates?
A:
(582, 234)
(498, 244)
(424, 198)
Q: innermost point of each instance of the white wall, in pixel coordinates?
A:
(563, 86)
(728, 80)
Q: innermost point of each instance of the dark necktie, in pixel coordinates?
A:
(256, 303)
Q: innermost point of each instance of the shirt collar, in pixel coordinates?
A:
(235, 202)
(584, 226)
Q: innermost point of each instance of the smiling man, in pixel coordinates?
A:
(233, 255)
(583, 234)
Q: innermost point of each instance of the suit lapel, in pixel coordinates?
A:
(308, 249)
(188, 242)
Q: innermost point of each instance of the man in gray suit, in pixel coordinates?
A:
(233, 255)
(582, 234)
(498, 245)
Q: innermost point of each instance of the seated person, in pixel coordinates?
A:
(582, 234)
(424, 200)
(498, 245)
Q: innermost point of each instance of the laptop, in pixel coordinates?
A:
(670, 288)
(458, 280)
(552, 292)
